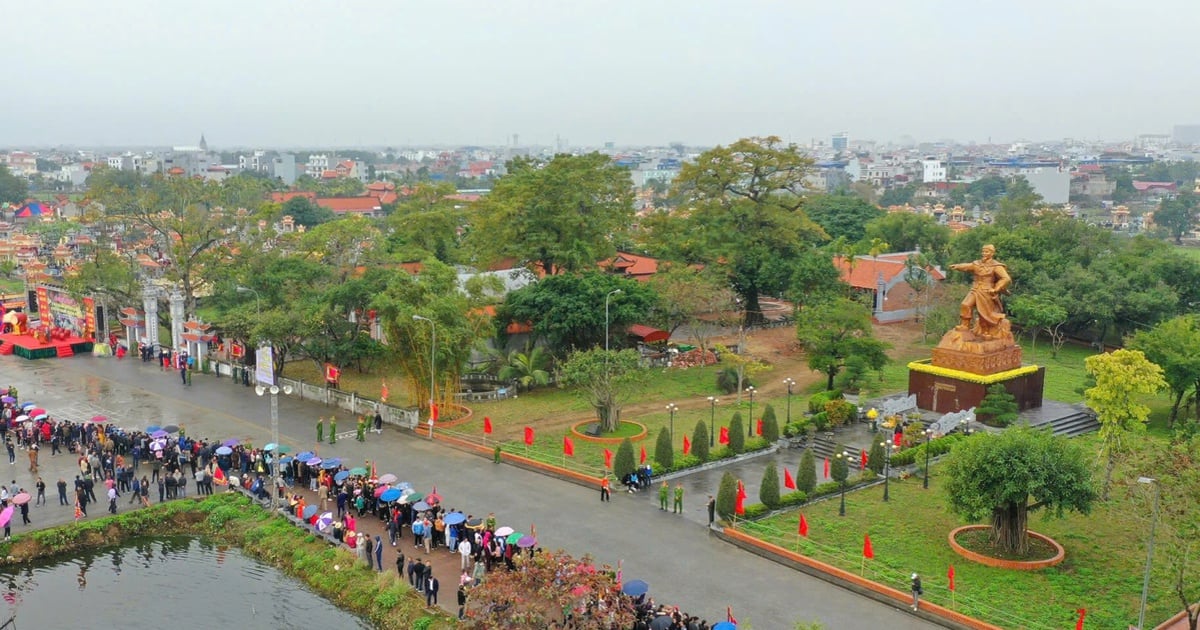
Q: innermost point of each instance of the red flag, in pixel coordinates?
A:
(740, 508)
(862, 465)
(1082, 613)
(643, 460)
(950, 574)
(433, 411)
(803, 526)
(487, 425)
(219, 477)
(528, 436)
(568, 446)
(608, 458)
(724, 439)
(729, 615)
(687, 445)
(758, 427)
(826, 467)
(741, 493)
(374, 476)
(788, 482)
(868, 553)
(383, 393)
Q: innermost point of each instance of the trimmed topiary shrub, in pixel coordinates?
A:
(737, 434)
(700, 441)
(770, 424)
(727, 496)
(623, 463)
(806, 475)
(768, 491)
(875, 457)
(998, 408)
(664, 454)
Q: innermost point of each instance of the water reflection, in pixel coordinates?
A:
(193, 578)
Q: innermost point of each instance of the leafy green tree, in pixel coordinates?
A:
(1018, 202)
(907, 231)
(839, 468)
(1123, 379)
(700, 441)
(770, 430)
(623, 462)
(745, 217)
(806, 474)
(898, 195)
(567, 311)
(875, 457)
(306, 212)
(13, 189)
(607, 378)
(727, 496)
(995, 476)
(664, 451)
(842, 215)
(998, 408)
(1172, 346)
(737, 434)
(426, 222)
(832, 332)
(1038, 313)
(768, 491)
(696, 298)
(564, 215)
(528, 369)
(1178, 215)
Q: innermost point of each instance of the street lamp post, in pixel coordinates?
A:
(928, 434)
(274, 391)
(750, 424)
(887, 465)
(965, 426)
(842, 507)
(712, 421)
(790, 383)
(257, 302)
(606, 297)
(1149, 553)
(432, 366)
(672, 408)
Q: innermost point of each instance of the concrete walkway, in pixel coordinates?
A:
(684, 565)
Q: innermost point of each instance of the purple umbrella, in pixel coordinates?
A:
(315, 461)
(325, 521)
(526, 542)
(387, 478)
(231, 442)
(159, 434)
(8, 399)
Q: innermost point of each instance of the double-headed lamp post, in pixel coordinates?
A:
(790, 383)
(928, 434)
(887, 465)
(842, 508)
(1149, 552)
(712, 421)
(606, 297)
(432, 366)
(274, 391)
(750, 425)
(257, 298)
(672, 408)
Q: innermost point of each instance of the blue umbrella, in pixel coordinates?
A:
(404, 485)
(153, 428)
(389, 495)
(270, 446)
(634, 588)
(26, 406)
(330, 464)
(287, 459)
(725, 625)
(454, 518)
(306, 455)
(342, 476)
(309, 512)
(420, 506)
(224, 450)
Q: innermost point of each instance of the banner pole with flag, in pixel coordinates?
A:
(867, 553)
(950, 575)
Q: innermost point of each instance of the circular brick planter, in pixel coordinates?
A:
(1018, 565)
(578, 432)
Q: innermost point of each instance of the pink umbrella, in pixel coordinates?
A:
(6, 515)
(21, 498)
(99, 419)
(387, 478)
(380, 490)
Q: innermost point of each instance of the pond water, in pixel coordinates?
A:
(156, 583)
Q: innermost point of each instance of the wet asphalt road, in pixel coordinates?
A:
(676, 555)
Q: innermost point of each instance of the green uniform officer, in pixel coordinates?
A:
(663, 490)
(333, 429)
(320, 429)
(679, 498)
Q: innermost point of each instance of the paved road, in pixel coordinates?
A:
(682, 563)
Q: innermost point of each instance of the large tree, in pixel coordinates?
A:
(743, 217)
(836, 330)
(842, 214)
(1123, 379)
(607, 378)
(13, 189)
(1172, 346)
(564, 215)
(427, 222)
(997, 476)
(907, 231)
(689, 297)
(1178, 215)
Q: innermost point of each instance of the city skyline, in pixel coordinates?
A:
(365, 73)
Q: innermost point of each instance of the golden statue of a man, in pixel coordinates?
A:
(991, 281)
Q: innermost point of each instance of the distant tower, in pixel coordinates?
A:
(516, 140)
(841, 141)
(203, 143)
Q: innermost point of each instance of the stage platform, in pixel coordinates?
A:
(27, 347)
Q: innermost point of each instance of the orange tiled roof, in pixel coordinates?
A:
(631, 265)
(344, 205)
(866, 271)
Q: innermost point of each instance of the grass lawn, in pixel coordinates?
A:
(1102, 572)
(9, 285)
(1191, 252)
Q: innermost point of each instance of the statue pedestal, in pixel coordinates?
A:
(965, 364)
(967, 351)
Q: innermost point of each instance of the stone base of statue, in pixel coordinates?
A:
(965, 363)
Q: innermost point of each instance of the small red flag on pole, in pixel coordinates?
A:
(868, 552)
(826, 467)
(608, 455)
(862, 464)
(528, 436)
(740, 507)
(383, 392)
(729, 615)
(950, 574)
(724, 438)
(758, 427)
(788, 482)
(433, 411)
(487, 425)
(687, 445)
(803, 526)
(643, 459)
(568, 446)
(1082, 613)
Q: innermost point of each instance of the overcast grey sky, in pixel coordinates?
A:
(287, 73)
